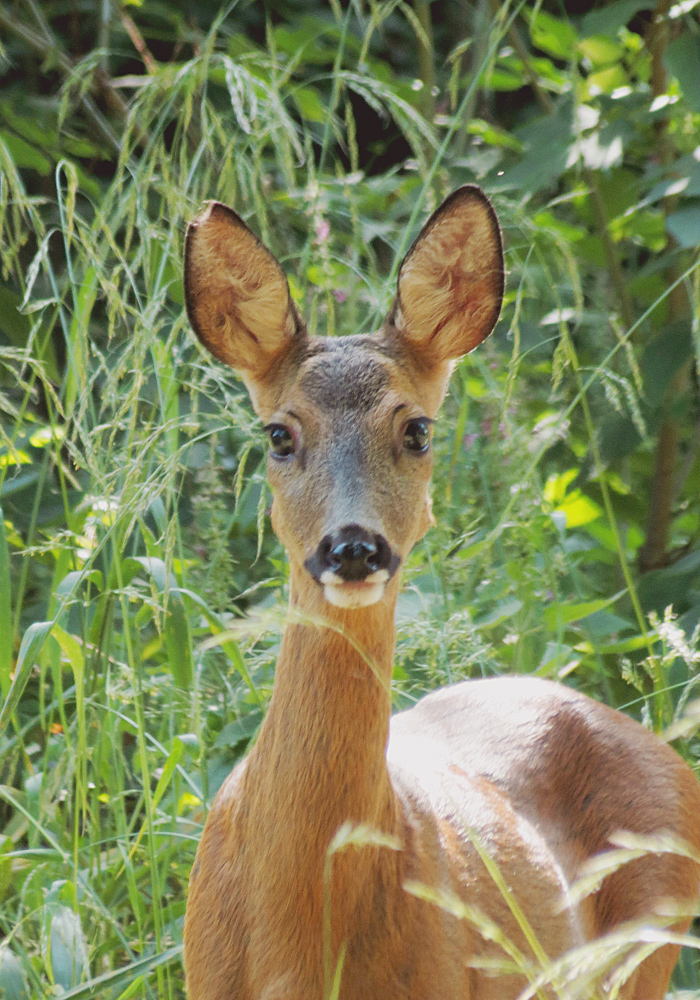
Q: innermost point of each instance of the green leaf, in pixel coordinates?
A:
(178, 642)
(76, 381)
(557, 615)
(110, 980)
(684, 225)
(13, 982)
(13, 323)
(682, 60)
(176, 630)
(601, 624)
(555, 133)
(499, 614)
(578, 509)
(552, 35)
(627, 645)
(662, 358)
(609, 19)
(32, 642)
(17, 328)
(492, 135)
(607, 80)
(68, 948)
(310, 105)
(501, 79)
(25, 155)
(600, 50)
(168, 771)
(555, 655)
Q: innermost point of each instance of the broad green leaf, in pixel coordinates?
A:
(178, 642)
(168, 771)
(563, 614)
(684, 225)
(557, 485)
(555, 133)
(605, 81)
(108, 981)
(76, 380)
(17, 328)
(26, 155)
(555, 37)
(176, 628)
(602, 624)
(14, 324)
(30, 647)
(492, 135)
(310, 104)
(71, 580)
(72, 650)
(13, 982)
(608, 20)
(501, 79)
(502, 612)
(578, 509)
(682, 59)
(626, 645)
(600, 50)
(557, 656)
(662, 358)
(68, 948)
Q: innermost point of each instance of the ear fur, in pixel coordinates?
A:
(236, 294)
(451, 281)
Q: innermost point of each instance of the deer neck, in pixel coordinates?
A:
(321, 750)
(319, 763)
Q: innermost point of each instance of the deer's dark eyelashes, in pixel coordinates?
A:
(416, 435)
(281, 440)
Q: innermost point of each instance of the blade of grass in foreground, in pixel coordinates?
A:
(142, 967)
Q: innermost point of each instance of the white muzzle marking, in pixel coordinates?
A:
(354, 593)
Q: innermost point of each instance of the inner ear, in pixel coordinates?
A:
(237, 296)
(451, 282)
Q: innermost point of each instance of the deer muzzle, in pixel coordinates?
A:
(353, 566)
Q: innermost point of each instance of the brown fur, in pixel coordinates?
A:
(533, 773)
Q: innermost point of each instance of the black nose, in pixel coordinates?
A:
(351, 553)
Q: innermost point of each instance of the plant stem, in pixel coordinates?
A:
(654, 552)
(426, 58)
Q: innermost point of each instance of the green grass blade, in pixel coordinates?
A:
(5, 613)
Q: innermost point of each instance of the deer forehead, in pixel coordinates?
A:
(348, 375)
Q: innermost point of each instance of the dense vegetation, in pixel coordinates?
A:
(141, 589)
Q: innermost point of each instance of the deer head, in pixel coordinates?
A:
(349, 419)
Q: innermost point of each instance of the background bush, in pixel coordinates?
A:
(141, 589)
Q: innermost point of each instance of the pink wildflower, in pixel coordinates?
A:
(322, 231)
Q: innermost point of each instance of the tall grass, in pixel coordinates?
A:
(132, 483)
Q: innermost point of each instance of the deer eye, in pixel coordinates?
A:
(281, 440)
(416, 435)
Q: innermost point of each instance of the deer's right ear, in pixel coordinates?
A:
(237, 296)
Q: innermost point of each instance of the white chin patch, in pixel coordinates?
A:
(353, 595)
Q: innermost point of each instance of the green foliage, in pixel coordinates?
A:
(142, 592)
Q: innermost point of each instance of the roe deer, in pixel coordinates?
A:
(525, 772)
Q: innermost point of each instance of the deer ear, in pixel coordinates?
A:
(237, 296)
(450, 285)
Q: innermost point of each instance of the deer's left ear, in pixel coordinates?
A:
(451, 281)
